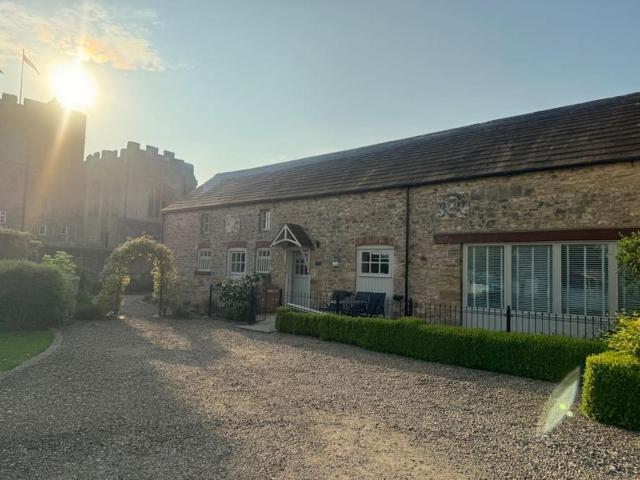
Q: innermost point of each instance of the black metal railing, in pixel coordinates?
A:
(242, 306)
(503, 319)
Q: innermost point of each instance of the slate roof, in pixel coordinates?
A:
(601, 131)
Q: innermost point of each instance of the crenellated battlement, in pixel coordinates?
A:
(134, 152)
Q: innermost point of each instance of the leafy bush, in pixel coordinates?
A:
(16, 245)
(628, 255)
(32, 296)
(62, 260)
(89, 311)
(626, 337)
(611, 389)
(544, 357)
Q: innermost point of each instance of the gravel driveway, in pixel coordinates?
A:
(143, 398)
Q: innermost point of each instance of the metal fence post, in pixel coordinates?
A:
(409, 311)
(210, 298)
(253, 294)
(508, 318)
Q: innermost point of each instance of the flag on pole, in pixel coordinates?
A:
(26, 60)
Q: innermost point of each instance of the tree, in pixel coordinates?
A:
(115, 274)
(62, 260)
(629, 255)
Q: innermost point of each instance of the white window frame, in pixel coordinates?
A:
(265, 220)
(204, 259)
(378, 251)
(3, 217)
(263, 258)
(556, 277)
(230, 262)
(66, 231)
(205, 223)
(42, 229)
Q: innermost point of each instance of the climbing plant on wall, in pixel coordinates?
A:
(115, 274)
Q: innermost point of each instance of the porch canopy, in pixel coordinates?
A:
(292, 235)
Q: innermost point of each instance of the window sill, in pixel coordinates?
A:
(201, 272)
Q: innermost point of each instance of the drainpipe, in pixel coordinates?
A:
(407, 229)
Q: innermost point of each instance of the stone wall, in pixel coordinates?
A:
(588, 197)
(126, 191)
(41, 156)
(336, 224)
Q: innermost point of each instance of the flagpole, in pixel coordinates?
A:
(21, 77)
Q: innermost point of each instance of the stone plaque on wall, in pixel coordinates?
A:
(454, 205)
(232, 224)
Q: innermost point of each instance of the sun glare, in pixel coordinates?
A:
(73, 86)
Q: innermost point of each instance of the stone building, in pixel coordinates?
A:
(126, 191)
(41, 170)
(83, 207)
(521, 212)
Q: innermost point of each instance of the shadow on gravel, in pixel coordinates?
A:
(98, 409)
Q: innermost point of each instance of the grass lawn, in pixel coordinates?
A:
(17, 347)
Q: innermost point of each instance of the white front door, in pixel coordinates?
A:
(300, 286)
(375, 270)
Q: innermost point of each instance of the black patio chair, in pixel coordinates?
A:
(335, 304)
(358, 305)
(375, 306)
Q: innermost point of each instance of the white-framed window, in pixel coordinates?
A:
(577, 278)
(300, 266)
(265, 219)
(66, 230)
(3, 217)
(485, 276)
(263, 260)
(374, 262)
(204, 260)
(531, 278)
(42, 229)
(585, 279)
(205, 223)
(237, 261)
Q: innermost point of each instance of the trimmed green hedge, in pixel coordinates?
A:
(32, 296)
(544, 357)
(611, 389)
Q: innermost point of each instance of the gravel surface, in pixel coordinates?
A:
(143, 398)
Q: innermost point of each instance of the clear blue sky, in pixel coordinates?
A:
(235, 84)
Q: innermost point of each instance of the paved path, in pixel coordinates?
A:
(142, 398)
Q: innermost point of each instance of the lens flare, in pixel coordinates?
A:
(559, 404)
(73, 86)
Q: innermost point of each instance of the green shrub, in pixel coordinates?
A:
(89, 311)
(17, 245)
(544, 357)
(626, 337)
(611, 389)
(32, 296)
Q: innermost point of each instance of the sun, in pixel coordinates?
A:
(73, 86)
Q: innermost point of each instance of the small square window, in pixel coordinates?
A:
(263, 260)
(237, 262)
(375, 262)
(42, 229)
(3, 217)
(265, 220)
(204, 260)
